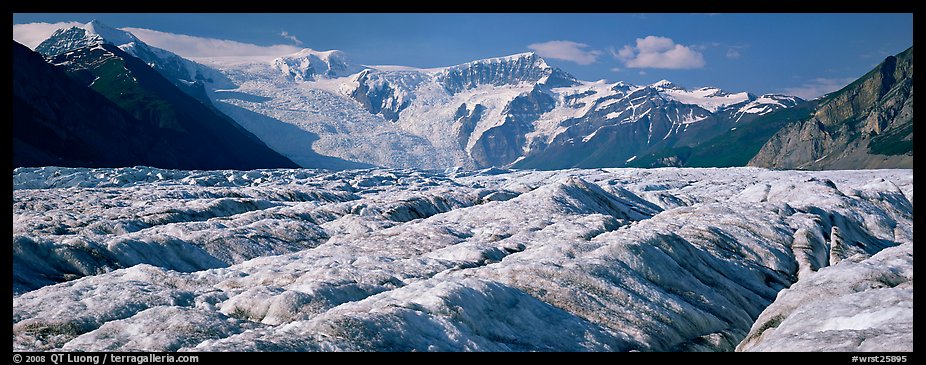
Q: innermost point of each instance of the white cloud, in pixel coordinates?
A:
(659, 52)
(733, 54)
(616, 69)
(566, 50)
(192, 47)
(32, 34)
(623, 53)
(291, 37)
(818, 87)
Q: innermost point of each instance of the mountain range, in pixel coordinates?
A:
(514, 111)
(321, 110)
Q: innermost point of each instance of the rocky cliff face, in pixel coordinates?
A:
(380, 96)
(868, 124)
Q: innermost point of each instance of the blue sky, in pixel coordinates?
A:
(800, 54)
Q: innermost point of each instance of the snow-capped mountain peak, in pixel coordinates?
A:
(529, 57)
(778, 99)
(526, 62)
(96, 33)
(711, 91)
(711, 99)
(90, 34)
(516, 110)
(665, 85)
(309, 64)
(109, 34)
(519, 68)
(767, 103)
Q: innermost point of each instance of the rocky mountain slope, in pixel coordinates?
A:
(187, 75)
(401, 260)
(50, 114)
(867, 124)
(102, 107)
(320, 109)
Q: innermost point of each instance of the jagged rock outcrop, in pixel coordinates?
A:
(380, 96)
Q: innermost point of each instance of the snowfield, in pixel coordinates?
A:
(489, 112)
(492, 260)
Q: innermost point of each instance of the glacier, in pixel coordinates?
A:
(380, 259)
(512, 111)
(321, 110)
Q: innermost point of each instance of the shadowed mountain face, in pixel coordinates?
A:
(50, 120)
(868, 124)
(104, 107)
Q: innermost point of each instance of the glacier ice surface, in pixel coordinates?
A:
(488, 260)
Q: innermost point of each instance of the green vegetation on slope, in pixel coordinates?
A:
(735, 147)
